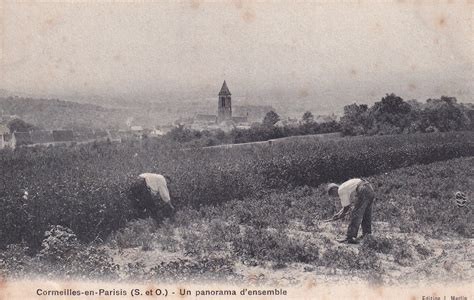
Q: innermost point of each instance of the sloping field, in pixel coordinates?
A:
(85, 187)
(419, 234)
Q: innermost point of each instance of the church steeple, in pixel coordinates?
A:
(224, 104)
(224, 90)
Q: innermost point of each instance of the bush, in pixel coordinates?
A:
(268, 245)
(423, 250)
(61, 256)
(402, 252)
(137, 233)
(378, 244)
(59, 244)
(348, 259)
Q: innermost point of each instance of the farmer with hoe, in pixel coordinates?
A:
(356, 196)
(150, 196)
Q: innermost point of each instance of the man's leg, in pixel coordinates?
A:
(367, 219)
(360, 206)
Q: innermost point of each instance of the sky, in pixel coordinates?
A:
(323, 52)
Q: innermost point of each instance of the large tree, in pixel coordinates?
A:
(18, 125)
(307, 118)
(444, 114)
(356, 119)
(271, 118)
(390, 115)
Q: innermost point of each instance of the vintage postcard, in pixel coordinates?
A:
(236, 150)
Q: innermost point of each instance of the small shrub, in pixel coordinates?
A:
(137, 233)
(402, 252)
(377, 243)
(423, 250)
(347, 259)
(166, 238)
(264, 245)
(62, 255)
(59, 244)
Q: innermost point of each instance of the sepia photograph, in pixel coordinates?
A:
(237, 149)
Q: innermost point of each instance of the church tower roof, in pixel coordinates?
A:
(224, 90)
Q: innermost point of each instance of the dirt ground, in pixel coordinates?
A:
(449, 257)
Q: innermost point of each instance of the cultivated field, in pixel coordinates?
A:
(279, 238)
(252, 215)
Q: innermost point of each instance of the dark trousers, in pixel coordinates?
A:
(362, 211)
(145, 203)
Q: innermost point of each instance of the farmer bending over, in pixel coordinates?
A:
(357, 196)
(144, 193)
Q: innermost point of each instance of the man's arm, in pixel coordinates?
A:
(340, 214)
(345, 211)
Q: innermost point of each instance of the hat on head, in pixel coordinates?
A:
(331, 186)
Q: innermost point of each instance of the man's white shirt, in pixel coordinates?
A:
(157, 184)
(346, 190)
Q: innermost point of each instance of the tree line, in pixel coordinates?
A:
(390, 115)
(268, 129)
(393, 115)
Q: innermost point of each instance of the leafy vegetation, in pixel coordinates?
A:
(189, 138)
(392, 115)
(85, 187)
(279, 230)
(271, 118)
(18, 125)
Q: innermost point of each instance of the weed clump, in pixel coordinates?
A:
(349, 259)
(378, 244)
(269, 245)
(204, 269)
(61, 255)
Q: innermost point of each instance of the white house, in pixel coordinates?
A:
(4, 136)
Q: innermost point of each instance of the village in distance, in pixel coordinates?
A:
(20, 126)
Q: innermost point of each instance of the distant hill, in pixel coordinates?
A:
(61, 114)
(53, 113)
